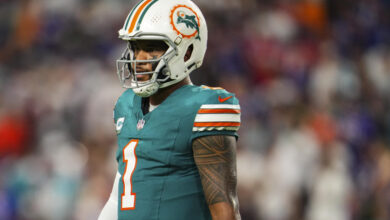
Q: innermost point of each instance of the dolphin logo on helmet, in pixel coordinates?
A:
(185, 15)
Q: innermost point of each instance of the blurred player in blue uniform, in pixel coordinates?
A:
(176, 141)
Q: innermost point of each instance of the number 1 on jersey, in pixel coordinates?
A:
(130, 159)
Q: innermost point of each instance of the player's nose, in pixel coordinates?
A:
(142, 55)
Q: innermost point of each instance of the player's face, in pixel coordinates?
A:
(147, 50)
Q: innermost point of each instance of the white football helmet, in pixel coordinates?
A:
(178, 23)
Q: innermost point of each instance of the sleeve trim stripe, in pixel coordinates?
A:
(212, 88)
(220, 106)
(215, 128)
(216, 124)
(208, 111)
(217, 118)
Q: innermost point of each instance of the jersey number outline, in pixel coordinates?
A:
(130, 159)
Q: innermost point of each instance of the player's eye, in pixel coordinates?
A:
(149, 49)
(135, 47)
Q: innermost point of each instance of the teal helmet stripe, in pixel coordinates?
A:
(143, 14)
(131, 14)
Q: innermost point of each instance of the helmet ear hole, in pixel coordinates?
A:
(188, 54)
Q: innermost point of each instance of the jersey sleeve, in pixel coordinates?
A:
(123, 102)
(116, 114)
(219, 115)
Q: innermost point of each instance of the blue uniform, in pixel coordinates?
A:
(160, 180)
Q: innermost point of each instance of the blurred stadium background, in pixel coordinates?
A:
(312, 76)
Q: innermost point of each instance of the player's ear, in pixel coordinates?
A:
(188, 54)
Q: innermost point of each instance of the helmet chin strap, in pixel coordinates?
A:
(162, 74)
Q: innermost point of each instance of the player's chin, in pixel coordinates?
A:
(143, 78)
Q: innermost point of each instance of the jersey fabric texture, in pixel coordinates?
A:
(163, 176)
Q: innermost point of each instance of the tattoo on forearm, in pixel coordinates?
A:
(215, 157)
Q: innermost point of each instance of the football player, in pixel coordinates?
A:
(176, 141)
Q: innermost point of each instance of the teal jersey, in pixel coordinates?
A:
(159, 177)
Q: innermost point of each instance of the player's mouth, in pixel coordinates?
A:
(142, 78)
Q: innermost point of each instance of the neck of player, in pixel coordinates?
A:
(162, 94)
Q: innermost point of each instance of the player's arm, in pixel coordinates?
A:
(215, 157)
(110, 209)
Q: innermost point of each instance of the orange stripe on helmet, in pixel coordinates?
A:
(136, 15)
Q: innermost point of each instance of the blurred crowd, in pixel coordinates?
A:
(312, 77)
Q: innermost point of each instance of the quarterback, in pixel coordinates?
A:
(176, 141)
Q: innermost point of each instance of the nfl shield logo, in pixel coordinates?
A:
(140, 124)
